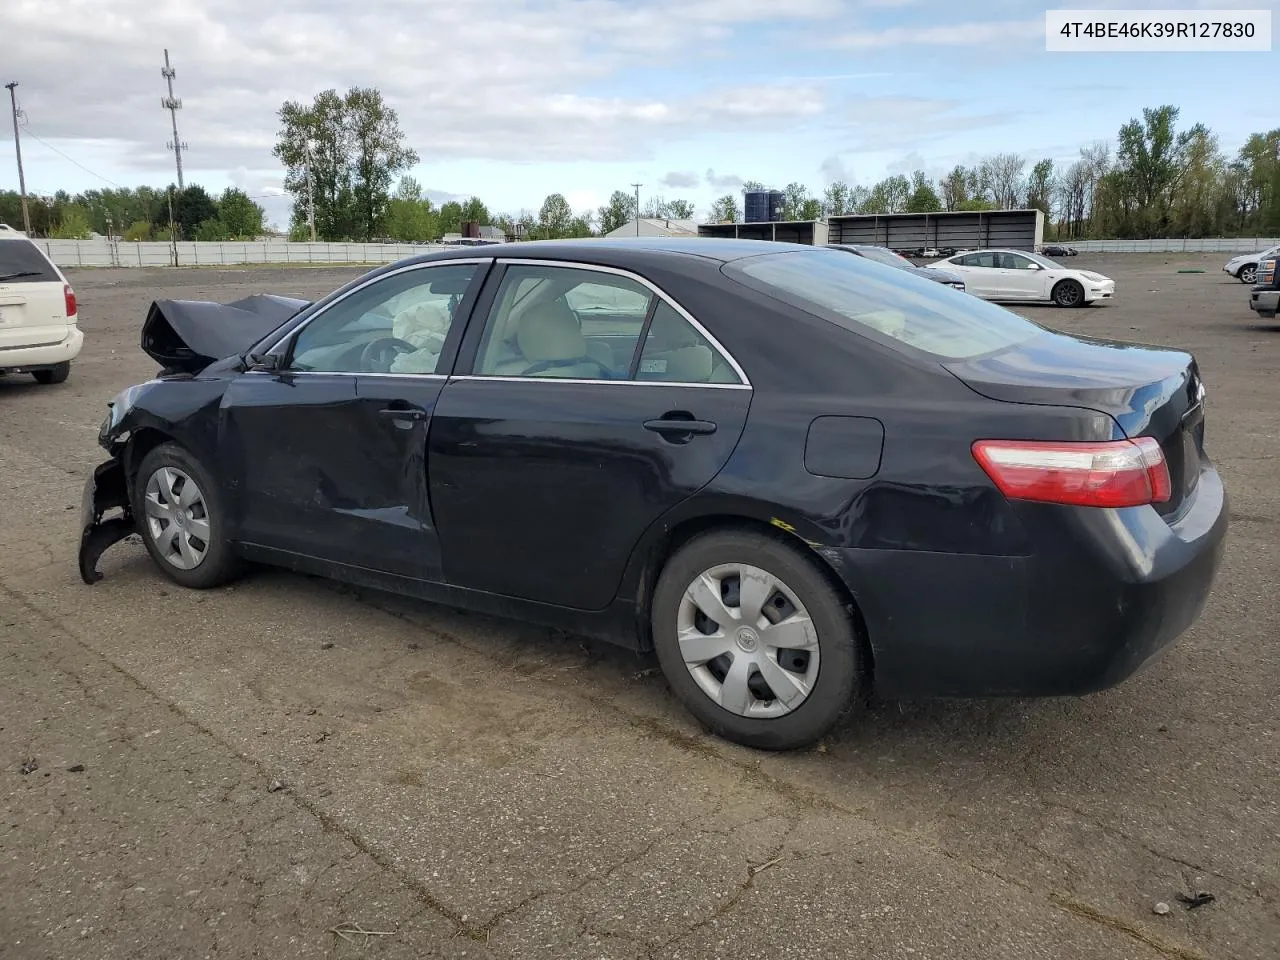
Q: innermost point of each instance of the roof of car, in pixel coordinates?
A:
(620, 249)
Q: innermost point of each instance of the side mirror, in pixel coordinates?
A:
(268, 362)
(1034, 266)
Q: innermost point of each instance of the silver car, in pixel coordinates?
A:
(1245, 267)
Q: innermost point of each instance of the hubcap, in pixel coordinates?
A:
(748, 641)
(177, 518)
(1248, 275)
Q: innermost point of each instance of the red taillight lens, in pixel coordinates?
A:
(1116, 473)
(70, 296)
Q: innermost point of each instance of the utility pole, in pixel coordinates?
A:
(311, 200)
(173, 105)
(17, 146)
(637, 186)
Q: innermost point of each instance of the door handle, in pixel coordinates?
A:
(404, 413)
(679, 425)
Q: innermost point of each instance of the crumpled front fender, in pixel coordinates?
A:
(105, 489)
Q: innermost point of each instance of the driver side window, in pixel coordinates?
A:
(394, 325)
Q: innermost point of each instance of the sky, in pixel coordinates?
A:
(510, 100)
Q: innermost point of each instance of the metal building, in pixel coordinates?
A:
(763, 206)
(960, 230)
(811, 232)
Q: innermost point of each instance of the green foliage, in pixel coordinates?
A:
(354, 147)
(725, 210)
(73, 223)
(618, 212)
(242, 219)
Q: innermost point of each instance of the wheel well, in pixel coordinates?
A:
(684, 532)
(141, 442)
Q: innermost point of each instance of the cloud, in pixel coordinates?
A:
(726, 181)
(680, 180)
(879, 124)
(989, 33)
(488, 79)
(833, 168)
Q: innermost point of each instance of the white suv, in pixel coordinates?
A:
(38, 331)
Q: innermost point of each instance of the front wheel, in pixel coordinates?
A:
(1068, 293)
(1248, 273)
(179, 512)
(58, 373)
(755, 641)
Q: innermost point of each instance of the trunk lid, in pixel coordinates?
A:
(1148, 391)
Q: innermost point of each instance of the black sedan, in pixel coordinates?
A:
(794, 474)
(886, 256)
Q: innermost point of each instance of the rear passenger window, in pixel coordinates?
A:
(22, 262)
(676, 352)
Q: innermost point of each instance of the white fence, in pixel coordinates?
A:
(123, 253)
(1214, 245)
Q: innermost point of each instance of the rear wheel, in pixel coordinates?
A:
(55, 374)
(180, 516)
(1068, 293)
(1248, 273)
(755, 641)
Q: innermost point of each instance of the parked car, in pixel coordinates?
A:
(1010, 275)
(886, 256)
(1059, 250)
(1245, 267)
(793, 473)
(1264, 297)
(39, 333)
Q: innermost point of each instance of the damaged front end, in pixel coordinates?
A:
(106, 489)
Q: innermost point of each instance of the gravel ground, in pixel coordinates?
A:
(240, 772)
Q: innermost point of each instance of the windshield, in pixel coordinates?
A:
(861, 297)
(884, 255)
(1043, 261)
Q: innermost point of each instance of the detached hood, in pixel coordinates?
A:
(188, 335)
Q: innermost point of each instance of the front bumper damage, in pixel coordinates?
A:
(106, 489)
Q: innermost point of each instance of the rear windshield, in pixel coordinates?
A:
(22, 262)
(862, 296)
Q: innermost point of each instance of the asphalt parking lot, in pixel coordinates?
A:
(266, 767)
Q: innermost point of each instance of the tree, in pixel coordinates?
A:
(1151, 157)
(73, 223)
(890, 195)
(923, 198)
(450, 218)
(618, 212)
(836, 199)
(410, 216)
(680, 210)
(191, 207)
(1001, 178)
(210, 230)
(725, 210)
(1040, 186)
(796, 196)
(555, 218)
(475, 210)
(354, 146)
(241, 218)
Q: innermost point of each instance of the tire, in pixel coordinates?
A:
(1068, 293)
(165, 475)
(55, 374)
(1248, 273)
(830, 677)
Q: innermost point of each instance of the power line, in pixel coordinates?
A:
(72, 160)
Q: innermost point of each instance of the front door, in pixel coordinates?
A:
(592, 407)
(328, 452)
(1024, 278)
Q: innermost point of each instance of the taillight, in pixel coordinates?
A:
(70, 296)
(1114, 473)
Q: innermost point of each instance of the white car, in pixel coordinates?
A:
(1016, 275)
(38, 330)
(1245, 267)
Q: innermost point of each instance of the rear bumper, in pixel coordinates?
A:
(105, 489)
(1073, 619)
(22, 359)
(1264, 302)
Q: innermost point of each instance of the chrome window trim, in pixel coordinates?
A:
(745, 383)
(613, 383)
(356, 289)
(345, 373)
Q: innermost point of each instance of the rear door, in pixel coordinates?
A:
(590, 405)
(980, 274)
(33, 306)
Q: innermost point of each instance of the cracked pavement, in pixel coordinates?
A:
(481, 788)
